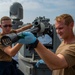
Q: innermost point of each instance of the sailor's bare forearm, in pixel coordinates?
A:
(24, 28)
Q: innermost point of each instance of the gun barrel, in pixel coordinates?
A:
(33, 30)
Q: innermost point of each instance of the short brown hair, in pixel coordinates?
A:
(68, 18)
(4, 18)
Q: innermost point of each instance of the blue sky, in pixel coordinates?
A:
(35, 8)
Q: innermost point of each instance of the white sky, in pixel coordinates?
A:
(35, 8)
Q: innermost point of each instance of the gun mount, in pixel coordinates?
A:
(42, 26)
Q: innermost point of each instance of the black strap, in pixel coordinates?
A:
(34, 45)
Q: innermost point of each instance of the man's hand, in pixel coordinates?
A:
(29, 38)
(40, 62)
